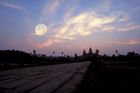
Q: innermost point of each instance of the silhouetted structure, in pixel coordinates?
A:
(84, 53)
(90, 51)
(15, 57)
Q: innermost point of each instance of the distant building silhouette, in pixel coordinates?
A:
(90, 51)
(84, 53)
(97, 52)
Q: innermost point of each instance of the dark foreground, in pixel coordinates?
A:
(112, 79)
(71, 78)
(61, 78)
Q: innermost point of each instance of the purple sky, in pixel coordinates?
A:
(72, 26)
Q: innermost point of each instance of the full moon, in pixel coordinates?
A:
(40, 29)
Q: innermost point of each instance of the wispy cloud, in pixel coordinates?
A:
(124, 28)
(10, 5)
(106, 5)
(69, 12)
(87, 23)
(83, 25)
(131, 27)
(50, 8)
(48, 43)
(70, 9)
(128, 42)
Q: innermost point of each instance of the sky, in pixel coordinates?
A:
(71, 26)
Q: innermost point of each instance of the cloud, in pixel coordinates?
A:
(129, 42)
(69, 12)
(70, 9)
(106, 5)
(129, 27)
(85, 24)
(123, 28)
(48, 43)
(9, 5)
(50, 8)
(81, 25)
(108, 28)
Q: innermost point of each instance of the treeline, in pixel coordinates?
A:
(20, 58)
(16, 57)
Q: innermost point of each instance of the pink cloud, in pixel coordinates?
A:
(129, 42)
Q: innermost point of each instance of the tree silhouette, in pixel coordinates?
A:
(117, 52)
(53, 52)
(34, 52)
(62, 53)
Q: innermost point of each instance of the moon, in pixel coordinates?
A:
(41, 29)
